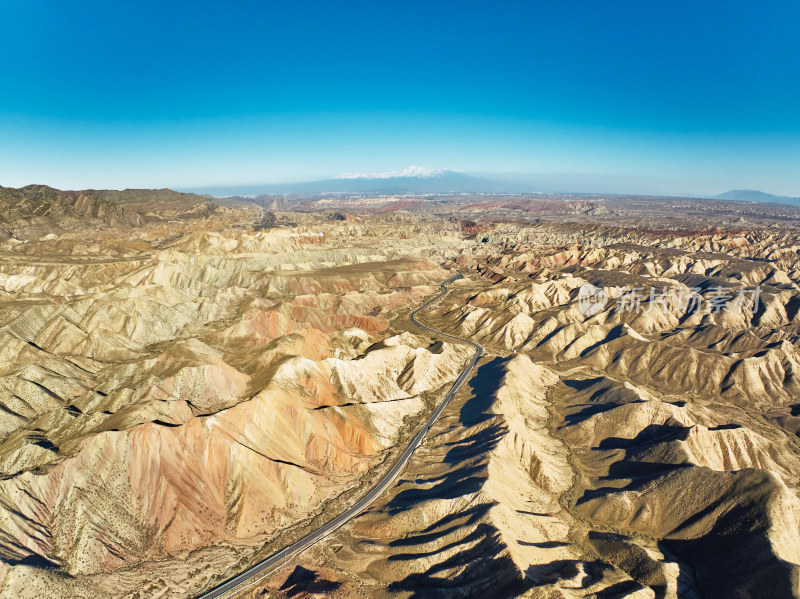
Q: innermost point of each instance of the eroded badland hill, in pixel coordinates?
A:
(188, 385)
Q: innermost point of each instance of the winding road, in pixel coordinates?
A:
(264, 567)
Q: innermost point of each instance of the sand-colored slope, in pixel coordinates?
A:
(209, 395)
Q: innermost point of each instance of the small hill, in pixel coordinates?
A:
(37, 210)
(266, 201)
(159, 204)
(753, 195)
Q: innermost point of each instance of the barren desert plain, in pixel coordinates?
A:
(190, 384)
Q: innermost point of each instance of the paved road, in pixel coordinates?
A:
(237, 583)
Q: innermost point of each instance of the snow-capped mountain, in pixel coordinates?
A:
(419, 172)
(414, 179)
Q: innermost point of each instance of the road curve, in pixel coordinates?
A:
(237, 583)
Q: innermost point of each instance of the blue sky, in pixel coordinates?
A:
(639, 96)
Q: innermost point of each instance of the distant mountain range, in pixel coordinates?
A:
(418, 180)
(412, 180)
(753, 195)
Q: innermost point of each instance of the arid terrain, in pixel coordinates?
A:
(189, 384)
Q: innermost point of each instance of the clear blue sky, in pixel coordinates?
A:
(677, 96)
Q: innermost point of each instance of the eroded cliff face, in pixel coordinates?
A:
(608, 451)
